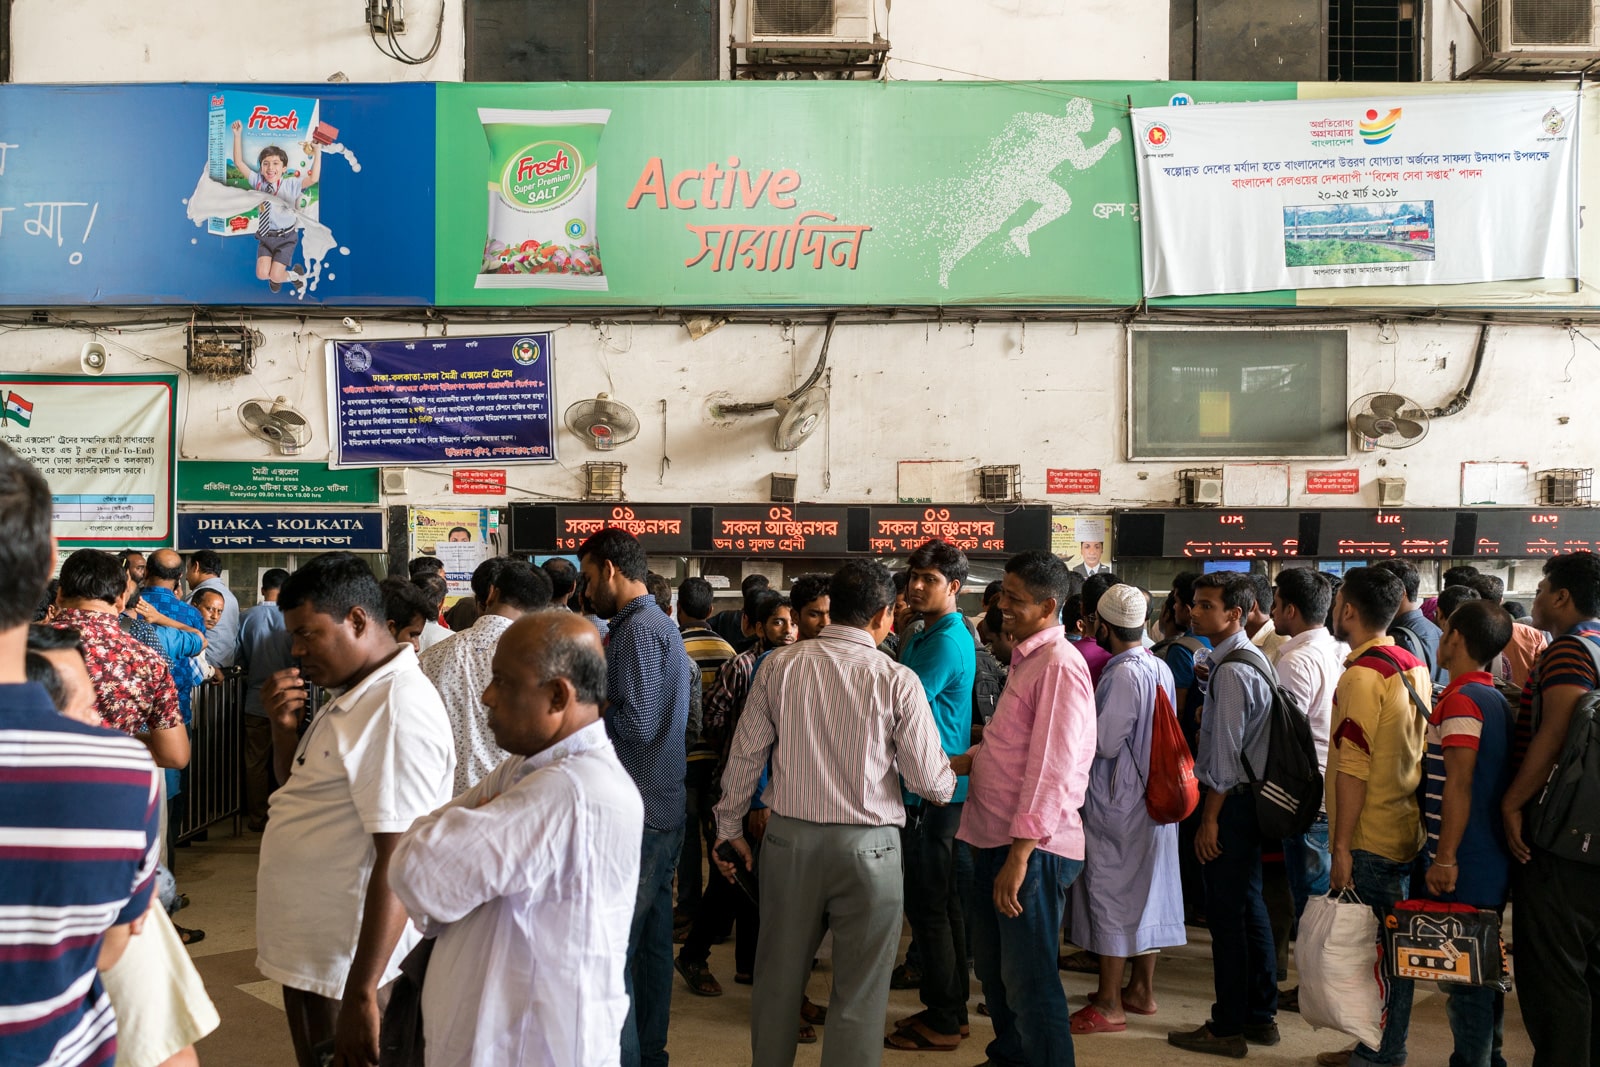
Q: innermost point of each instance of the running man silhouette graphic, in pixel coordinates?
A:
(1015, 170)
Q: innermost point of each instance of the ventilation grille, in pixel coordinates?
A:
(999, 484)
(792, 18)
(603, 481)
(1564, 487)
(782, 488)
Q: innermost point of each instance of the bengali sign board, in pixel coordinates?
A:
(1071, 481)
(281, 531)
(781, 529)
(440, 401)
(273, 482)
(1333, 482)
(106, 445)
(483, 481)
(1362, 191)
(663, 529)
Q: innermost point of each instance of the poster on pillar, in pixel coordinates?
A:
(106, 446)
(235, 195)
(794, 193)
(1443, 189)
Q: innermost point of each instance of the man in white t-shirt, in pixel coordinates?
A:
(372, 761)
(1309, 663)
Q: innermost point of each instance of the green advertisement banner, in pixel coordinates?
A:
(273, 482)
(825, 193)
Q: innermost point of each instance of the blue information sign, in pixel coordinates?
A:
(281, 531)
(442, 401)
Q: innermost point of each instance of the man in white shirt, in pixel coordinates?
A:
(1259, 623)
(375, 759)
(528, 879)
(459, 666)
(435, 590)
(1310, 661)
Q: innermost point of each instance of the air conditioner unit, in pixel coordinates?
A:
(1391, 492)
(1200, 486)
(1548, 27)
(822, 21)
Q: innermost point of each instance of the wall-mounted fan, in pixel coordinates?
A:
(800, 418)
(1388, 420)
(602, 422)
(276, 423)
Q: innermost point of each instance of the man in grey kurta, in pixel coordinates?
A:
(1129, 902)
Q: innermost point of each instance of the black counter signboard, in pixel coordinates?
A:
(780, 529)
(1354, 533)
(663, 529)
(976, 530)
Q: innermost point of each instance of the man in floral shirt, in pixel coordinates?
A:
(133, 688)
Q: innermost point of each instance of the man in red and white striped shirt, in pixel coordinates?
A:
(841, 722)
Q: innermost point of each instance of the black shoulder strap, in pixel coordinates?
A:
(1252, 657)
(1421, 645)
(1416, 701)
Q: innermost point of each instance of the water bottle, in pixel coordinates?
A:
(1202, 669)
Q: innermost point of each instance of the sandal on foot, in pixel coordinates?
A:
(922, 1017)
(188, 936)
(1090, 1021)
(743, 979)
(813, 1014)
(1083, 962)
(702, 983)
(918, 1037)
(808, 1036)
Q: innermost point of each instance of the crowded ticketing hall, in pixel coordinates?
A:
(799, 532)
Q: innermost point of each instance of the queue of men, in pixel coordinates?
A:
(459, 840)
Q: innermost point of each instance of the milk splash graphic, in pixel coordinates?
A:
(211, 200)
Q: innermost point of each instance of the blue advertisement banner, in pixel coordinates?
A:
(281, 531)
(198, 194)
(446, 400)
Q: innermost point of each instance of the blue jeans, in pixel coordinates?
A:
(1244, 955)
(1477, 1021)
(1016, 959)
(1306, 859)
(648, 976)
(1381, 884)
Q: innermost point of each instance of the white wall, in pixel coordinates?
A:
(1447, 25)
(206, 40)
(1050, 396)
(1057, 40)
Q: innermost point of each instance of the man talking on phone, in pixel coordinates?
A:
(373, 760)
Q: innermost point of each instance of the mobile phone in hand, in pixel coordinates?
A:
(744, 877)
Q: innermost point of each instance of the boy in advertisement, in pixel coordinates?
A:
(276, 233)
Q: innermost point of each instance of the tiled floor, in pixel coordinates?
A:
(219, 877)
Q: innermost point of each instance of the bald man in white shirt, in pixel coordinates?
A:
(528, 879)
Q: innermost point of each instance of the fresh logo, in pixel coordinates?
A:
(262, 119)
(1156, 135)
(525, 351)
(17, 410)
(1375, 130)
(1554, 122)
(542, 175)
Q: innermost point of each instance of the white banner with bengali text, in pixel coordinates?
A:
(105, 445)
(1310, 194)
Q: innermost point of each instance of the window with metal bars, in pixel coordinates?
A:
(1373, 40)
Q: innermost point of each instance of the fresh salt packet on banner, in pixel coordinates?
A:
(543, 199)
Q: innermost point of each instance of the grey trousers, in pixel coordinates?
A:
(844, 878)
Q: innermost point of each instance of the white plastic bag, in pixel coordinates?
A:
(1341, 978)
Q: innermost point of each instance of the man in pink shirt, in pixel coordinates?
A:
(1029, 775)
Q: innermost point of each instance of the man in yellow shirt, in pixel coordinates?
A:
(1380, 710)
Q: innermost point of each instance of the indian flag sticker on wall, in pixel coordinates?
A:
(18, 409)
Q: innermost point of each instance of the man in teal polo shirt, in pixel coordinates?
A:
(944, 657)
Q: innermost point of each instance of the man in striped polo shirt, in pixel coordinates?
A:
(78, 825)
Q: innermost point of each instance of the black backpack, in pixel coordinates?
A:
(1288, 791)
(987, 681)
(1564, 819)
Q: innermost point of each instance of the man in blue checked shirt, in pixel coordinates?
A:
(647, 688)
(181, 630)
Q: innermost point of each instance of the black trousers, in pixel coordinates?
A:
(1556, 920)
(933, 907)
(725, 907)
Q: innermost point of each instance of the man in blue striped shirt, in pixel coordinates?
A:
(647, 689)
(79, 818)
